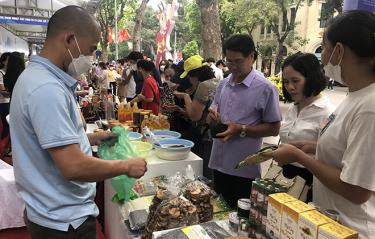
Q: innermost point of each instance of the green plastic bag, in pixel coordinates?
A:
(119, 148)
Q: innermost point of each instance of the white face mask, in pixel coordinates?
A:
(162, 68)
(334, 72)
(81, 64)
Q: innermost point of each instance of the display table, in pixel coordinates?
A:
(12, 206)
(114, 219)
(115, 227)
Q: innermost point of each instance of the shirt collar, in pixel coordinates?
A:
(247, 81)
(321, 102)
(61, 75)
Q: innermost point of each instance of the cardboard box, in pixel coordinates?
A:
(309, 223)
(274, 213)
(290, 216)
(336, 231)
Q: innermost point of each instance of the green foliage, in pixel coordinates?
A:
(227, 25)
(191, 48)
(192, 17)
(277, 81)
(246, 15)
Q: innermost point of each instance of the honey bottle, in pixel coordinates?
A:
(128, 112)
(121, 112)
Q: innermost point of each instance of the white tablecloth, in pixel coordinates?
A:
(11, 204)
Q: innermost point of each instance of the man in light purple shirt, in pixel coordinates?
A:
(249, 104)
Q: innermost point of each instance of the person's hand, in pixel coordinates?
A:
(286, 154)
(174, 86)
(98, 137)
(141, 97)
(172, 107)
(82, 93)
(179, 95)
(213, 115)
(308, 147)
(190, 91)
(137, 167)
(232, 130)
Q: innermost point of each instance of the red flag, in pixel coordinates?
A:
(123, 35)
(109, 39)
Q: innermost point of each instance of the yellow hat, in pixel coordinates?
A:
(192, 63)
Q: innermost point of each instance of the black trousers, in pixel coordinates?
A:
(4, 111)
(290, 171)
(86, 231)
(232, 187)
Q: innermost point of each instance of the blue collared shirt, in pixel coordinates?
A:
(253, 101)
(44, 115)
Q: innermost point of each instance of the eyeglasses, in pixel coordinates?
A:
(235, 62)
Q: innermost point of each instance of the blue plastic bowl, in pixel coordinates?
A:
(134, 136)
(165, 134)
(164, 151)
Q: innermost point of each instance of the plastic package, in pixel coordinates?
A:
(148, 187)
(200, 195)
(210, 230)
(171, 213)
(115, 149)
(137, 219)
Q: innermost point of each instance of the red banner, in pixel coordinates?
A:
(109, 36)
(123, 35)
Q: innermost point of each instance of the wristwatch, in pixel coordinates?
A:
(243, 131)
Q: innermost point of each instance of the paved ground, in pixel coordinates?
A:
(336, 97)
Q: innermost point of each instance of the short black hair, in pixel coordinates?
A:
(241, 43)
(15, 67)
(146, 65)
(220, 62)
(102, 65)
(72, 18)
(3, 58)
(355, 29)
(135, 56)
(308, 65)
(203, 73)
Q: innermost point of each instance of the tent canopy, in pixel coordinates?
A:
(28, 18)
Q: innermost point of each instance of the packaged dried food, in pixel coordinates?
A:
(200, 195)
(148, 187)
(138, 219)
(257, 158)
(172, 213)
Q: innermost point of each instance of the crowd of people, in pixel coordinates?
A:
(225, 107)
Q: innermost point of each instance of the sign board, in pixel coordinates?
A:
(23, 20)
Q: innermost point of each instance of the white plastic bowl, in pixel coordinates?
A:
(164, 151)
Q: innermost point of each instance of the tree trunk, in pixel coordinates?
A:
(279, 57)
(140, 12)
(211, 39)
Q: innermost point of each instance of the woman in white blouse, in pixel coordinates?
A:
(302, 81)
